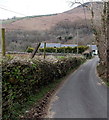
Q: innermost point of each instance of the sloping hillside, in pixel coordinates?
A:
(60, 28)
(47, 22)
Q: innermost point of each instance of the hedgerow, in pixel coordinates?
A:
(29, 49)
(81, 49)
(23, 78)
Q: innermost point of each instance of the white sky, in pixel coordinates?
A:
(33, 7)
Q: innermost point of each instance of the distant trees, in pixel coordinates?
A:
(19, 40)
(66, 31)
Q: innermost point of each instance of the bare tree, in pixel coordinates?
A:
(101, 33)
(107, 37)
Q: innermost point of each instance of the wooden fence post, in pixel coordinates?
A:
(35, 50)
(44, 49)
(56, 51)
(3, 42)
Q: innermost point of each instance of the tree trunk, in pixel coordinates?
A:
(107, 36)
(103, 41)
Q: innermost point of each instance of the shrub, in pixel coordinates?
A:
(81, 49)
(61, 50)
(50, 49)
(30, 49)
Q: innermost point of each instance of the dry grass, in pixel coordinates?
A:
(47, 22)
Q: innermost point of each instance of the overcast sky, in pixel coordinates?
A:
(33, 7)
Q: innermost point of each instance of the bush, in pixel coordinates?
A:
(50, 49)
(81, 49)
(23, 78)
(61, 50)
(29, 49)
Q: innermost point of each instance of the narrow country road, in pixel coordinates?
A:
(83, 95)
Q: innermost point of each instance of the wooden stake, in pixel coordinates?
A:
(35, 50)
(3, 42)
(44, 50)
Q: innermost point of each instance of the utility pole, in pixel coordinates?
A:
(3, 42)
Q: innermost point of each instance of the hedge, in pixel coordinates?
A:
(29, 49)
(81, 49)
(22, 78)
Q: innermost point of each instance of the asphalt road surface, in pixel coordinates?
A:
(83, 95)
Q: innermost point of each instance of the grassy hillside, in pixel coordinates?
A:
(46, 22)
(27, 31)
